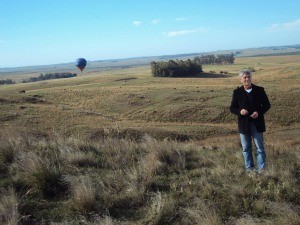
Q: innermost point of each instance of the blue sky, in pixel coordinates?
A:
(41, 32)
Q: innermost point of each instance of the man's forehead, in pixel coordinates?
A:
(246, 75)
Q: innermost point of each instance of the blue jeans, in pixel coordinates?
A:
(246, 140)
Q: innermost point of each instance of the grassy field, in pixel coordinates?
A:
(119, 146)
(131, 100)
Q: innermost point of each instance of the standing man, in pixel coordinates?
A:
(250, 103)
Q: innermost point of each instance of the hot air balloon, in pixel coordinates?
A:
(81, 63)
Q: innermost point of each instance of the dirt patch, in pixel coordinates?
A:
(9, 117)
(33, 100)
(5, 101)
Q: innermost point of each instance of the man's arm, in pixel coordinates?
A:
(234, 106)
(265, 106)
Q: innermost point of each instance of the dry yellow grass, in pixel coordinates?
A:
(148, 182)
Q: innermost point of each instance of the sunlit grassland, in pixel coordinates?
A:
(123, 147)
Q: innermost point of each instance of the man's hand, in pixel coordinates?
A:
(254, 115)
(244, 112)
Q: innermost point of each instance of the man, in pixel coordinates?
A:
(250, 103)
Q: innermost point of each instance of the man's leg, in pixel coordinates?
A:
(247, 151)
(260, 150)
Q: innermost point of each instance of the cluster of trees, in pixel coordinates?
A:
(178, 68)
(7, 81)
(50, 76)
(212, 59)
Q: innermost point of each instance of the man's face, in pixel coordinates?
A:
(246, 80)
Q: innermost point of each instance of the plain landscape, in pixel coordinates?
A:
(115, 145)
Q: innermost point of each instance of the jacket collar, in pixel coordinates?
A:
(241, 88)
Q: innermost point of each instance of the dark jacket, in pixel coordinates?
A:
(261, 104)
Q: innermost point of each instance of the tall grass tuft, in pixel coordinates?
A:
(83, 194)
(43, 176)
(8, 153)
(9, 213)
(161, 209)
(199, 213)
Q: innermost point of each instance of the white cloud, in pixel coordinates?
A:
(295, 25)
(181, 18)
(156, 21)
(137, 23)
(183, 32)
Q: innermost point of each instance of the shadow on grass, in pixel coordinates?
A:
(126, 79)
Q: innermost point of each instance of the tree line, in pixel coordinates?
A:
(50, 76)
(7, 81)
(212, 59)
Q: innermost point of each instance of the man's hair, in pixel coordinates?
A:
(245, 72)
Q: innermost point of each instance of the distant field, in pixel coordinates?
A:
(130, 100)
(21, 73)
